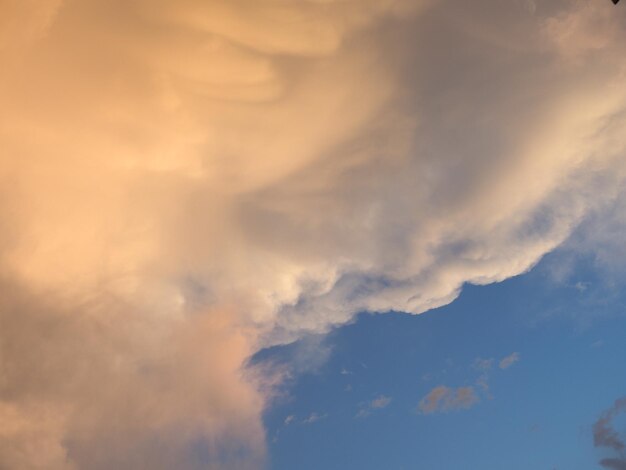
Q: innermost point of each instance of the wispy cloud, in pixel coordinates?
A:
(483, 365)
(444, 399)
(605, 436)
(508, 361)
(314, 417)
(378, 403)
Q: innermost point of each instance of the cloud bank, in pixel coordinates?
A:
(184, 183)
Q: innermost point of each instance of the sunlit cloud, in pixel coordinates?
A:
(314, 417)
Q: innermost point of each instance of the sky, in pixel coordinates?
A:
(249, 234)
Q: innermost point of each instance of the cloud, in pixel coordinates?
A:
(604, 435)
(615, 464)
(483, 365)
(445, 399)
(185, 183)
(508, 361)
(380, 402)
(377, 403)
(314, 417)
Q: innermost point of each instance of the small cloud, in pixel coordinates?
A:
(288, 420)
(581, 286)
(314, 417)
(444, 399)
(380, 402)
(347, 388)
(482, 383)
(597, 344)
(614, 464)
(345, 371)
(465, 398)
(508, 361)
(604, 435)
(377, 403)
(482, 365)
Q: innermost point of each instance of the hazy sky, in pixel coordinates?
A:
(189, 187)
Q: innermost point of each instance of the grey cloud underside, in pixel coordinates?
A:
(605, 436)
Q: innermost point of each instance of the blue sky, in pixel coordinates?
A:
(538, 413)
